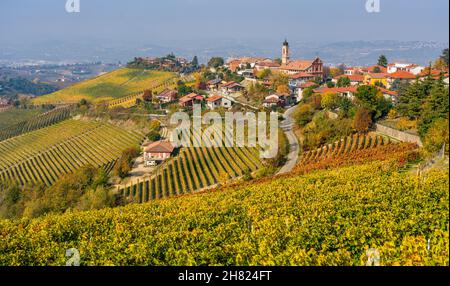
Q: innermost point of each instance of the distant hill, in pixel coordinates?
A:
(13, 86)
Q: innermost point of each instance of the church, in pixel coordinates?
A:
(306, 68)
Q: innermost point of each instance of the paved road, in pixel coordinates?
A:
(287, 125)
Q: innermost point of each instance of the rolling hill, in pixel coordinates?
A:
(109, 86)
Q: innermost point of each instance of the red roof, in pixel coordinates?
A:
(214, 98)
(387, 91)
(160, 147)
(402, 75)
(301, 75)
(306, 84)
(190, 97)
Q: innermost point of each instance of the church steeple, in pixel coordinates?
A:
(285, 53)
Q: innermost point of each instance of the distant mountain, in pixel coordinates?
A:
(350, 53)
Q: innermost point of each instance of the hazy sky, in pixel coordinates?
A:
(160, 21)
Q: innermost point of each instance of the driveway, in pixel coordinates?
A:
(287, 125)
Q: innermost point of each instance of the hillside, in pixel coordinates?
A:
(42, 156)
(324, 218)
(109, 86)
(15, 115)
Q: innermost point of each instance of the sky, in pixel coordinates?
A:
(169, 21)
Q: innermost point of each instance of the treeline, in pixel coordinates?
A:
(427, 102)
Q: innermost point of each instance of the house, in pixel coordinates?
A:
(299, 78)
(403, 76)
(167, 95)
(234, 65)
(350, 71)
(348, 91)
(288, 66)
(301, 87)
(270, 65)
(217, 101)
(231, 87)
(213, 85)
(406, 67)
(157, 152)
(190, 99)
(355, 79)
(389, 94)
(274, 100)
(374, 78)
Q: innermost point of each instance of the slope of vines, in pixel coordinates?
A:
(44, 155)
(324, 218)
(195, 169)
(41, 121)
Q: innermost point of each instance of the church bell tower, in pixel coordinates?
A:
(285, 53)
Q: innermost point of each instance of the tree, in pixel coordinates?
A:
(153, 136)
(362, 121)
(437, 135)
(412, 97)
(376, 69)
(436, 106)
(440, 64)
(283, 89)
(216, 62)
(148, 95)
(330, 84)
(265, 73)
(445, 57)
(383, 61)
(195, 62)
(346, 107)
(343, 81)
(303, 114)
(330, 101)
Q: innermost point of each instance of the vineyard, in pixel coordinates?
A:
(110, 86)
(42, 156)
(40, 121)
(344, 147)
(323, 218)
(195, 169)
(158, 86)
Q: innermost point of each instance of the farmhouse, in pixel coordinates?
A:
(167, 95)
(157, 152)
(216, 101)
(231, 87)
(190, 99)
(376, 78)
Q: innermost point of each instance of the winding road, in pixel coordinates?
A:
(287, 125)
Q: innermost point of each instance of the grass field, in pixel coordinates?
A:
(42, 156)
(113, 85)
(14, 116)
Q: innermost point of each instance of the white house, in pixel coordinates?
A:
(406, 67)
(217, 101)
(157, 152)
